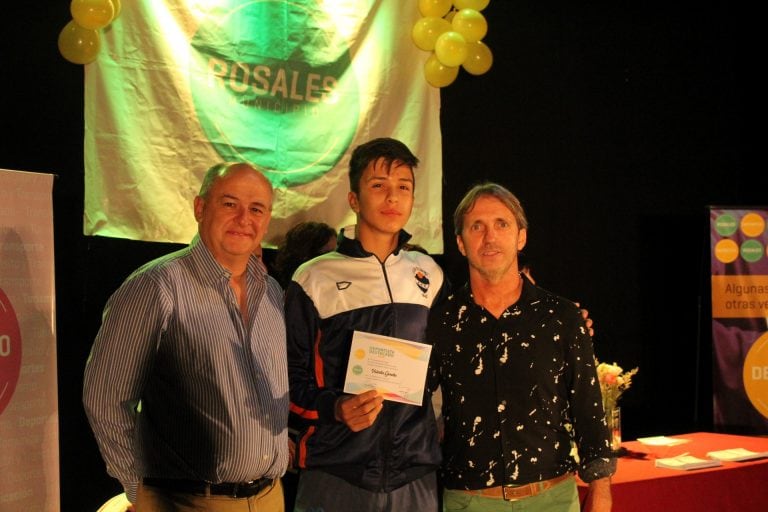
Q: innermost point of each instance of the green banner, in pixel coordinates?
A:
(291, 87)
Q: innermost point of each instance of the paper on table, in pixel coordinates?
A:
(396, 367)
(686, 462)
(661, 441)
(736, 455)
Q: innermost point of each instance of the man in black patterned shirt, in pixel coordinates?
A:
(522, 405)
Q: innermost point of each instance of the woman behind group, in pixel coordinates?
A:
(303, 242)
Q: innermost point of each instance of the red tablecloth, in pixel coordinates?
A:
(638, 486)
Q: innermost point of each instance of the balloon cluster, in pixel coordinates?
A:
(453, 31)
(79, 40)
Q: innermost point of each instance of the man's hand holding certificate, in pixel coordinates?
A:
(396, 368)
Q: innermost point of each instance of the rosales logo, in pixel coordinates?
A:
(272, 84)
(10, 351)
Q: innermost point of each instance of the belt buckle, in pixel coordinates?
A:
(511, 497)
(515, 492)
(242, 486)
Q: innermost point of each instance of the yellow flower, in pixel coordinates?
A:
(613, 382)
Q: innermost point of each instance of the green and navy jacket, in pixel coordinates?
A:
(329, 298)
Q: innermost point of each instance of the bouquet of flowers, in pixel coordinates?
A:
(613, 382)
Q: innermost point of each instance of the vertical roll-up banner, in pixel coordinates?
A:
(739, 245)
(29, 418)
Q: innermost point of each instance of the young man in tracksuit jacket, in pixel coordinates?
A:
(357, 452)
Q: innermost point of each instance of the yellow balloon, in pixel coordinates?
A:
(479, 58)
(438, 74)
(477, 5)
(451, 48)
(79, 45)
(426, 31)
(470, 24)
(118, 8)
(434, 8)
(92, 14)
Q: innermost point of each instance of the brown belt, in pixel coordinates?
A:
(518, 492)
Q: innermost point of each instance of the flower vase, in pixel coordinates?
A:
(613, 417)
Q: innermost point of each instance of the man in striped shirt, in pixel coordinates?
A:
(186, 387)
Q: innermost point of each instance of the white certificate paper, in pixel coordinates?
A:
(397, 368)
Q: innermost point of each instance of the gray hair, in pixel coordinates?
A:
(493, 190)
(222, 169)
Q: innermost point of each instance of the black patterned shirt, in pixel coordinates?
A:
(520, 392)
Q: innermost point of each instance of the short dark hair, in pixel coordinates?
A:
(391, 150)
(303, 242)
(489, 189)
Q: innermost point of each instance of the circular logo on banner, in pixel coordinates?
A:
(10, 351)
(725, 224)
(726, 250)
(755, 374)
(272, 85)
(752, 251)
(752, 225)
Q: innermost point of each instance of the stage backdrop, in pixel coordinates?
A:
(29, 420)
(739, 242)
(290, 86)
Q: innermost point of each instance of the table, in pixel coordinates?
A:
(638, 486)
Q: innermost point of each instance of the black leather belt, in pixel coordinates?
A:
(234, 490)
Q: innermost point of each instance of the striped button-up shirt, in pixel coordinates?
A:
(178, 385)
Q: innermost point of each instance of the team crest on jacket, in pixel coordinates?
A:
(422, 281)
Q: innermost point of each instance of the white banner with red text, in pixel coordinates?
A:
(29, 418)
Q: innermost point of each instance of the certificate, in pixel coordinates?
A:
(397, 368)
